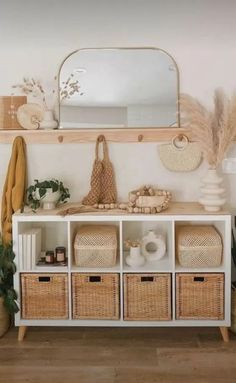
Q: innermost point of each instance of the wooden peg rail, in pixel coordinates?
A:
(72, 136)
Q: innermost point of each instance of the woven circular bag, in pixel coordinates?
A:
(181, 155)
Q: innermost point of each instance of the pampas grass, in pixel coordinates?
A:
(213, 129)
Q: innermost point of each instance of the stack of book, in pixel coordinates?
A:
(29, 248)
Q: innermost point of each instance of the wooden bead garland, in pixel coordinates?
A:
(131, 206)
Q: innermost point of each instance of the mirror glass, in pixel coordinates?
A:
(118, 88)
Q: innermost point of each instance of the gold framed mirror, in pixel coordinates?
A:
(119, 90)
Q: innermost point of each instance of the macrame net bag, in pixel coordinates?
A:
(103, 186)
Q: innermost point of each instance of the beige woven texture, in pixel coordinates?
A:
(147, 297)
(180, 160)
(95, 296)
(103, 186)
(198, 246)
(96, 246)
(200, 296)
(44, 296)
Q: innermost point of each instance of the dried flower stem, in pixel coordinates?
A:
(214, 130)
(128, 243)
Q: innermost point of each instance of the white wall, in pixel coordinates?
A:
(35, 36)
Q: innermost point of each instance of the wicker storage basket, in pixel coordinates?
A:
(198, 246)
(95, 296)
(8, 110)
(200, 296)
(44, 296)
(96, 246)
(147, 297)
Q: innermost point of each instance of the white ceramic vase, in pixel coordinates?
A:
(48, 121)
(153, 246)
(212, 191)
(135, 259)
(49, 200)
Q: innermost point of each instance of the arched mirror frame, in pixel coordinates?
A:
(128, 134)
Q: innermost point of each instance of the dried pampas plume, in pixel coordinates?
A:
(213, 129)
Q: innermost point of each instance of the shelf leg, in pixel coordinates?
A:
(225, 333)
(21, 333)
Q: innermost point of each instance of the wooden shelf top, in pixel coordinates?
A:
(175, 208)
(73, 136)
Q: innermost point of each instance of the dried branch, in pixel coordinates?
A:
(33, 87)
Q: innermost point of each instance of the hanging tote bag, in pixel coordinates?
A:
(180, 155)
(103, 186)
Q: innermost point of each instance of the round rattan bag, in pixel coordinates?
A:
(180, 155)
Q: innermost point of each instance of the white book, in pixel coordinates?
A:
(28, 251)
(32, 247)
(20, 262)
(24, 251)
(36, 236)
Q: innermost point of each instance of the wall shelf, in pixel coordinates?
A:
(74, 136)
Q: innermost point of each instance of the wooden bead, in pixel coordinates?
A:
(153, 210)
(136, 210)
(147, 210)
(130, 209)
(122, 206)
(107, 206)
(101, 206)
(95, 205)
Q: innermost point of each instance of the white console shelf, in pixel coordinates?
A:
(60, 231)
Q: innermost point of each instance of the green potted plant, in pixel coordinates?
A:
(47, 193)
(8, 296)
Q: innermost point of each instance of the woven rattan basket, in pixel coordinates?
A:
(147, 297)
(200, 296)
(96, 246)
(44, 296)
(95, 296)
(198, 246)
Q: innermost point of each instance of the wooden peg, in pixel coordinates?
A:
(140, 138)
(60, 139)
(101, 138)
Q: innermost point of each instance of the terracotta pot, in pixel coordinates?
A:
(4, 318)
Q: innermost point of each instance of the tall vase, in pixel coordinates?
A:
(49, 121)
(212, 191)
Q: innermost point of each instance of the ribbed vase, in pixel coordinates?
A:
(212, 191)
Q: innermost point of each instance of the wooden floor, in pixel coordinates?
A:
(102, 355)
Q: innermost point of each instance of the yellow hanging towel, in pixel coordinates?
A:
(14, 188)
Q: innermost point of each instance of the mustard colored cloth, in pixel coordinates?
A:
(14, 188)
